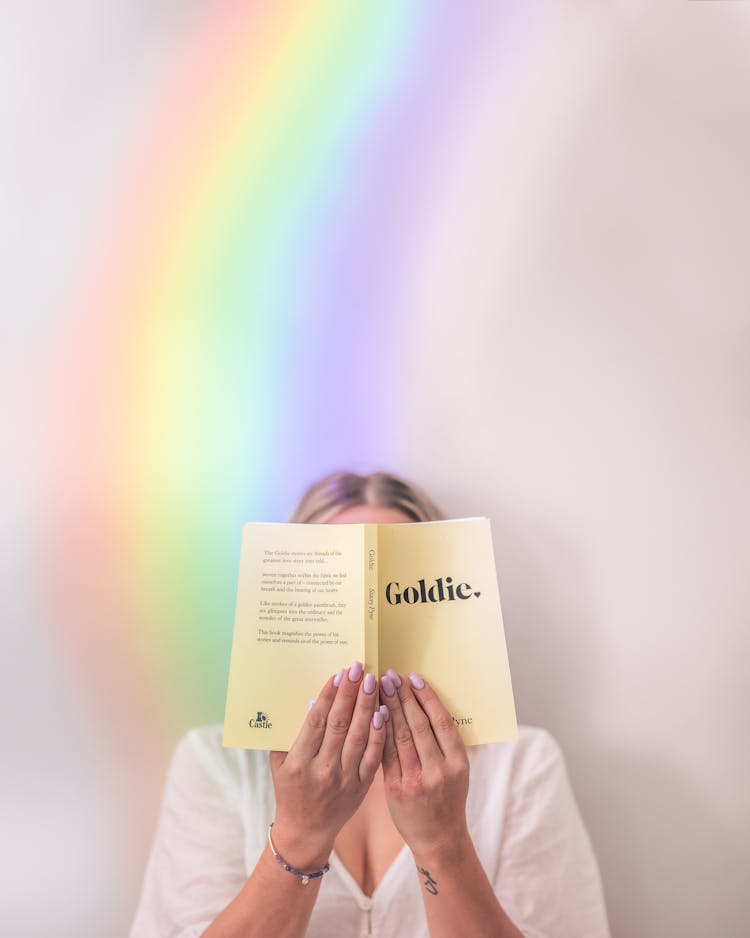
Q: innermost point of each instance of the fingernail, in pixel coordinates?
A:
(310, 704)
(377, 719)
(337, 679)
(355, 672)
(394, 677)
(416, 681)
(369, 683)
(386, 713)
(387, 684)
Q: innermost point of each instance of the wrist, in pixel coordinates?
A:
(300, 848)
(445, 851)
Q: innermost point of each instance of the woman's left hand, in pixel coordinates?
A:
(425, 766)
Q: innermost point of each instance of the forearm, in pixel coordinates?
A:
(457, 895)
(274, 901)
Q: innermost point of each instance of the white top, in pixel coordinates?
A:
(521, 813)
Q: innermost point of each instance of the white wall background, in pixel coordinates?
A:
(598, 380)
(584, 380)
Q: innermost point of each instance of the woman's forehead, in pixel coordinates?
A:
(369, 514)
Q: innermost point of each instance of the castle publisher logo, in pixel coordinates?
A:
(260, 722)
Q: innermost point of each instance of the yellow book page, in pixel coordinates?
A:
(440, 616)
(299, 618)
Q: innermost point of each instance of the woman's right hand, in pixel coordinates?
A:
(321, 781)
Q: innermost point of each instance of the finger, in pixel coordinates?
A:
(310, 737)
(443, 726)
(419, 723)
(373, 754)
(358, 735)
(391, 765)
(402, 735)
(276, 759)
(340, 715)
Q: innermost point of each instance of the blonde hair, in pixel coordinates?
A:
(340, 490)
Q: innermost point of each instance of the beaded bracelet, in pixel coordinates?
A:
(304, 877)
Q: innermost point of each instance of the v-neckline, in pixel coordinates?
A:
(353, 886)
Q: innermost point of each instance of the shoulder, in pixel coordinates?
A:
(200, 757)
(534, 745)
(536, 749)
(534, 755)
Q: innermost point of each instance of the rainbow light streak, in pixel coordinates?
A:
(227, 340)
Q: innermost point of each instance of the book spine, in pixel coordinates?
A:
(371, 598)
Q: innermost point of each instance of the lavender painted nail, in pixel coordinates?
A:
(387, 684)
(337, 679)
(416, 681)
(377, 719)
(368, 685)
(394, 677)
(355, 672)
(386, 713)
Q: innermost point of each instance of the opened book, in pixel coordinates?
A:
(313, 598)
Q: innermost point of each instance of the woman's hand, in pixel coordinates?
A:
(425, 766)
(426, 774)
(323, 778)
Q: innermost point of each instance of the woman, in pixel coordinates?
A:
(382, 822)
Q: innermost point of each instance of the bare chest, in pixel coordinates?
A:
(368, 843)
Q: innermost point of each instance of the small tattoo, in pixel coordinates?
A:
(430, 885)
